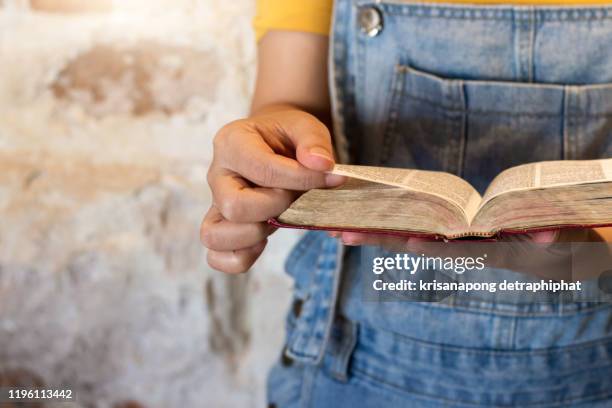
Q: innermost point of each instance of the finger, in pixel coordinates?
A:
(396, 243)
(234, 262)
(218, 234)
(255, 160)
(387, 241)
(438, 248)
(357, 238)
(544, 237)
(312, 142)
(239, 202)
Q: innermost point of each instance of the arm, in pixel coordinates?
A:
(292, 70)
(259, 163)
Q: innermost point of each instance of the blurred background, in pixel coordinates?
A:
(107, 113)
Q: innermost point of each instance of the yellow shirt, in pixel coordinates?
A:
(314, 16)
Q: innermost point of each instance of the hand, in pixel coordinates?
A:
(402, 244)
(395, 243)
(259, 166)
(543, 254)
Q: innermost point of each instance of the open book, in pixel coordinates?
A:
(530, 197)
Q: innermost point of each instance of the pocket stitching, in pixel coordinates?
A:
(389, 133)
(375, 381)
(453, 126)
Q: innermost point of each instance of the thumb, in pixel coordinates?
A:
(312, 141)
(313, 146)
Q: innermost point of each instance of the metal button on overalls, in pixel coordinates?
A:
(370, 21)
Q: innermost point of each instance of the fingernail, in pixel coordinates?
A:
(321, 152)
(334, 180)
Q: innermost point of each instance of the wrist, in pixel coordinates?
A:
(259, 110)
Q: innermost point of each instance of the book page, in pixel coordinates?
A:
(515, 178)
(560, 205)
(444, 185)
(365, 205)
(560, 173)
(549, 174)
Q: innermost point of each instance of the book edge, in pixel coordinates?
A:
(400, 233)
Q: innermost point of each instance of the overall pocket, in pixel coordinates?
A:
(476, 129)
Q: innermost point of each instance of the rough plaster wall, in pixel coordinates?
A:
(106, 123)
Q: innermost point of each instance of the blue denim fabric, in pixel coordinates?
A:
(470, 90)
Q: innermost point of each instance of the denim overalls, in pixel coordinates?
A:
(470, 90)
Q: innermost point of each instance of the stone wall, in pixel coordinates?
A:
(106, 122)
